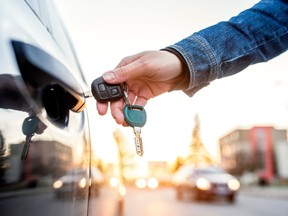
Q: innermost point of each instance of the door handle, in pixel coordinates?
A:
(41, 69)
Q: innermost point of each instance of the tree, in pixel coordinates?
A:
(198, 154)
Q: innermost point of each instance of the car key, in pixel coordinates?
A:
(26, 147)
(104, 92)
(136, 117)
(29, 128)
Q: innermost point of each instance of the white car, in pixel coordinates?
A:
(205, 183)
(44, 129)
(74, 182)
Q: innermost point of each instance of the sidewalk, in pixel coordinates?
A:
(279, 192)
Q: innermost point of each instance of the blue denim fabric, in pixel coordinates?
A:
(256, 35)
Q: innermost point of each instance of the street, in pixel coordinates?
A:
(43, 203)
(159, 202)
(162, 202)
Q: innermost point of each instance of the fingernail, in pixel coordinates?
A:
(108, 76)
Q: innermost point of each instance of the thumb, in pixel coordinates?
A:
(127, 69)
(120, 74)
(114, 76)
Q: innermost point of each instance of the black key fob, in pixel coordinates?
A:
(104, 92)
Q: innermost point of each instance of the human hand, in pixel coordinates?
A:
(147, 75)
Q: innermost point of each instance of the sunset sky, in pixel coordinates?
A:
(103, 32)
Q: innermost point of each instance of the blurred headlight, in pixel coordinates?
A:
(57, 184)
(140, 183)
(152, 183)
(82, 183)
(114, 182)
(203, 184)
(122, 190)
(233, 184)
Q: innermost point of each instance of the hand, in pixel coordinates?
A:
(147, 75)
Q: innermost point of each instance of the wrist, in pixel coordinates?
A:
(183, 79)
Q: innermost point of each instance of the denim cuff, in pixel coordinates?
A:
(200, 61)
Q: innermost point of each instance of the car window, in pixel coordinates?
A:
(35, 6)
(60, 35)
(45, 11)
(208, 171)
(77, 172)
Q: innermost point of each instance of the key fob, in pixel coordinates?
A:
(104, 92)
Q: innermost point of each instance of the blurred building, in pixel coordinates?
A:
(161, 171)
(262, 150)
(45, 157)
(126, 166)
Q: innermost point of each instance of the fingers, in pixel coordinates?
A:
(137, 73)
(117, 107)
(117, 111)
(141, 101)
(102, 108)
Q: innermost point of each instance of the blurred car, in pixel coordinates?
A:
(96, 181)
(42, 103)
(75, 181)
(205, 182)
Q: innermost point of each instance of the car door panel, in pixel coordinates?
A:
(61, 142)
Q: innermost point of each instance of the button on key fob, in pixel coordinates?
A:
(104, 92)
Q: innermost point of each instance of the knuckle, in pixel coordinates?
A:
(122, 72)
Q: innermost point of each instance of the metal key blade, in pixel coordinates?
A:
(26, 147)
(88, 94)
(138, 141)
(125, 95)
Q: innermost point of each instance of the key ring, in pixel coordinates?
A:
(126, 98)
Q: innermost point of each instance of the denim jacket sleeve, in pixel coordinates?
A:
(256, 35)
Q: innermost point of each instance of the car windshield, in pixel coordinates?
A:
(76, 173)
(208, 171)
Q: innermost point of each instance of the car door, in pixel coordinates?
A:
(41, 104)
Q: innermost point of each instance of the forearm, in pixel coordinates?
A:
(255, 35)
